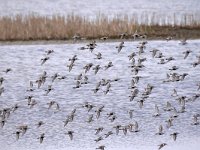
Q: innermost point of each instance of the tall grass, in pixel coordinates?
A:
(56, 27)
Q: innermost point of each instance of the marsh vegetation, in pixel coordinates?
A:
(33, 27)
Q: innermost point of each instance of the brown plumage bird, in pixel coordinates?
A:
(161, 145)
(121, 45)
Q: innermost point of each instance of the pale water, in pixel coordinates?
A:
(25, 61)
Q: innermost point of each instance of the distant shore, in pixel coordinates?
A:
(49, 42)
(67, 28)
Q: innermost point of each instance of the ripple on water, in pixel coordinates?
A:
(25, 63)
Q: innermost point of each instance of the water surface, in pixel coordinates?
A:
(25, 61)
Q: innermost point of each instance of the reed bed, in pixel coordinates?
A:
(57, 27)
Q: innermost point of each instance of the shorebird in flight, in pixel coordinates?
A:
(175, 113)
(195, 120)
(187, 52)
(1, 90)
(121, 45)
(108, 134)
(98, 112)
(161, 145)
(41, 138)
(173, 68)
(131, 56)
(23, 129)
(98, 55)
(44, 60)
(135, 35)
(174, 135)
(183, 42)
(55, 76)
(17, 133)
(48, 52)
(2, 122)
(70, 133)
(102, 147)
(168, 107)
(76, 37)
(39, 124)
(98, 139)
(110, 64)
(104, 38)
(1, 80)
(96, 69)
(117, 127)
(160, 130)
(154, 52)
(136, 127)
(98, 130)
(87, 67)
(156, 113)
(169, 122)
(130, 112)
(7, 70)
(123, 35)
(169, 38)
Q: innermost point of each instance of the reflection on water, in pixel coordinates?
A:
(25, 61)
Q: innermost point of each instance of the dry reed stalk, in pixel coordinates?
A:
(56, 27)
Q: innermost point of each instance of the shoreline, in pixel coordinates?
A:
(49, 42)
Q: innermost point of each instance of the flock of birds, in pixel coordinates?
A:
(136, 65)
